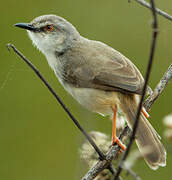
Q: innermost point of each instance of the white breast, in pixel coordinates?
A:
(56, 65)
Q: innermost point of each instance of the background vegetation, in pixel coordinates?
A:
(37, 139)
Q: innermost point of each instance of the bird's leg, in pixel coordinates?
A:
(115, 139)
(145, 113)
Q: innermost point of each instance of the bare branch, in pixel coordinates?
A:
(159, 88)
(159, 11)
(148, 71)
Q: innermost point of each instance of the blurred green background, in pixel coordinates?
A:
(38, 141)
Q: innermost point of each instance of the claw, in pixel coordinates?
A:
(120, 144)
(145, 113)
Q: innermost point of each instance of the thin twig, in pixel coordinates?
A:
(101, 155)
(148, 71)
(159, 88)
(159, 11)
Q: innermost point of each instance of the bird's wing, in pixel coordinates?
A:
(99, 66)
(122, 75)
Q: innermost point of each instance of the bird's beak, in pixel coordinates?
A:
(26, 26)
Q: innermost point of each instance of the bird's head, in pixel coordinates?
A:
(50, 33)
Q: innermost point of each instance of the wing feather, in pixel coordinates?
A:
(96, 65)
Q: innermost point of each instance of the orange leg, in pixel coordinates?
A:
(114, 138)
(145, 113)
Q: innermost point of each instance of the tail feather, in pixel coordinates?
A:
(146, 136)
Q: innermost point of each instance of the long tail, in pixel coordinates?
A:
(146, 136)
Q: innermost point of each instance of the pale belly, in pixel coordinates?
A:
(94, 100)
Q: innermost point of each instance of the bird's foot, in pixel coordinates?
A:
(145, 113)
(116, 140)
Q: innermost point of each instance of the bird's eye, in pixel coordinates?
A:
(49, 28)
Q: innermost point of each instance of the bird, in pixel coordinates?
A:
(97, 76)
